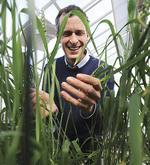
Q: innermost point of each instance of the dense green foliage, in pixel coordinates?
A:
(126, 114)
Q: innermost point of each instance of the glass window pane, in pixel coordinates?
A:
(64, 3)
(40, 3)
(99, 10)
(51, 13)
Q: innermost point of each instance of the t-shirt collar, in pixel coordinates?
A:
(81, 63)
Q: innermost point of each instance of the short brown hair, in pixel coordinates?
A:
(65, 11)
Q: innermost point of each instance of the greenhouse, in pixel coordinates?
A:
(74, 82)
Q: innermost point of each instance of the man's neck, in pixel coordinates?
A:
(73, 62)
(79, 63)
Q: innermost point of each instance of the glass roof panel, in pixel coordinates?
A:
(103, 26)
(100, 40)
(51, 13)
(9, 24)
(80, 3)
(99, 10)
(21, 4)
(40, 3)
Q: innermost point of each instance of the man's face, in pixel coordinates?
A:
(74, 39)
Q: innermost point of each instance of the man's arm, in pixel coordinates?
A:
(83, 91)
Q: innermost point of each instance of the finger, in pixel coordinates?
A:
(32, 95)
(41, 95)
(77, 93)
(44, 113)
(90, 80)
(35, 99)
(45, 106)
(73, 101)
(44, 96)
(32, 89)
(88, 89)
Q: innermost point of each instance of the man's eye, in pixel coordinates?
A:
(80, 32)
(67, 33)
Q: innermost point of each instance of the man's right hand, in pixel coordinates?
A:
(44, 102)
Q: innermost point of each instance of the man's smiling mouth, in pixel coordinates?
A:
(72, 48)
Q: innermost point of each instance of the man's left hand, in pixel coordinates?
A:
(83, 91)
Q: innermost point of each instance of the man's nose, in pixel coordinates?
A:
(73, 39)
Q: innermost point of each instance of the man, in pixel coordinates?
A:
(80, 92)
